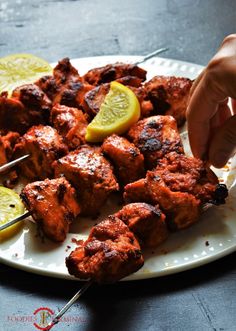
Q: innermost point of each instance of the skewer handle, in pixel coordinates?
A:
(13, 163)
(16, 220)
(150, 55)
(56, 319)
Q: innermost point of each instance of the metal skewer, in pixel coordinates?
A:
(13, 163)
(56, 319)
(15, 220)
(150, 55)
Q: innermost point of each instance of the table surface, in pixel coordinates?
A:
(200, 299)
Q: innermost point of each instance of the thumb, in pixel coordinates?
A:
(223, 144)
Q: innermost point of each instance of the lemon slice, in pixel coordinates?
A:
(11, 207)
(19, 69)
(117, 113)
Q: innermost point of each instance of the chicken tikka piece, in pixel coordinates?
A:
(70, 123)
(126, 158)
(65, 86)
(44, 145)
(156, 136)
(147, 222)
(7, 143)
(53, 205)
(91, 174)
(110, 253)
(94, 98)
(137, 192)
(112, 72)
(180, 185)
(169, 96)
(37, 103)
(16, 114)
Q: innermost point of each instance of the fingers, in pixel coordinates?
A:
(222, 146)
(196, 82)
(222, 114)
(202, 108)
(215, 84)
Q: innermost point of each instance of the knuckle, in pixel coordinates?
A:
(229, 38)
(219, 67)
(216, 63)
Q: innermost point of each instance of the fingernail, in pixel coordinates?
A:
(219, 159)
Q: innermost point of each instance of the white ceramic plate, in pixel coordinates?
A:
(213, 237)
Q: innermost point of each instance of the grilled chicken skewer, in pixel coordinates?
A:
(173, 181)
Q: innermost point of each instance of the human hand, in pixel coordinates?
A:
(211, 124)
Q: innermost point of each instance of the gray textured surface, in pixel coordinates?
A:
(53, 29)
(198, 300)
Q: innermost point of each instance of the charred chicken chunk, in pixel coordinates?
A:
(156, 136)
(44, 145)
(91, 174)
(37, 103)
(70, 123)
(7, 144)
(110, 253)
(53, 205)
(48, 85)
(64, 72)
(181, 185)
(112, 72)
(72, 94)
(189, 174)
(94, 98)
(146, 222)
(28, 106)
(13, 115)
(126, 157)
(146, 107)
(137, 192)
(182, 209)
(65, 86)
(169, 95)
(133, 81)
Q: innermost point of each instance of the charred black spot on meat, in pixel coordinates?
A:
(150, 145)
(24, 198)
(108, 76)
(38, 188)
(61, 192)
(220, 194)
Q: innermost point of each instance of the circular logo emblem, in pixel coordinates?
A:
(43, 317)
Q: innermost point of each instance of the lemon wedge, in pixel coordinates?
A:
(11, 207)
(119, 110)
(19, 69)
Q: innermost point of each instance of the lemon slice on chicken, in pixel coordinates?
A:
(119, 110)
(11, 207)
(19, 69)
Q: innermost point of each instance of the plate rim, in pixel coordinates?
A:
(203, 260)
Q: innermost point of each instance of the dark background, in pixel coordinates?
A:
(200, 299)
